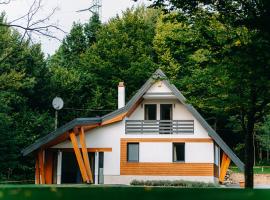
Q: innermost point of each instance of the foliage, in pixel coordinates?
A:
(264, 134)
(175, 183)
(221, 68)
(22, 101)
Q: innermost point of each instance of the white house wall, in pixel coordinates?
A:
(155, 152)
(199, 152)
(162, 152)
(158, 87)
(104, 137)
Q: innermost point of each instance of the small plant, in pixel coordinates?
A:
(176, 183)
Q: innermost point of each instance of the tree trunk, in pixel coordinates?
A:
(260, 153)
(249, 154)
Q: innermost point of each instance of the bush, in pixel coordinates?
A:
(176, 183)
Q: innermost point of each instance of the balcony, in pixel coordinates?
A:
(159, 126)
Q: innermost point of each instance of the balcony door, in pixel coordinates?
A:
(165, 127)
(150, 112)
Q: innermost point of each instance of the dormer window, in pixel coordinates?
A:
(150, 112)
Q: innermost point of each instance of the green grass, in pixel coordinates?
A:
(72, 192)
(257, 169)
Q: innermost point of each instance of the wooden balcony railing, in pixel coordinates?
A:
(159, 126)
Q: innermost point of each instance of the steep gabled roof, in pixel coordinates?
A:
(157, 75)
(211, 132)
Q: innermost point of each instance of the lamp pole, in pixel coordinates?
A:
(57, 104)
(56, 120)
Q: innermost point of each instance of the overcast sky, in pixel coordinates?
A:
(65, 15)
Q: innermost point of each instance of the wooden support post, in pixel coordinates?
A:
(225, 162)
(85, 155)
(79, 157)
(37, 172)
(41, 166)
(48, 167)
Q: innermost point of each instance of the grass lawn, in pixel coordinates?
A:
(257, 169)
(81, 192)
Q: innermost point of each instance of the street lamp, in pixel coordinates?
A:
(57, 104)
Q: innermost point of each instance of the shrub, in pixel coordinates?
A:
(176, 183)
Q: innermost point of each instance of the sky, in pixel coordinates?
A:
(64, 16)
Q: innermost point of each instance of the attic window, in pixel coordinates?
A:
(150, 111)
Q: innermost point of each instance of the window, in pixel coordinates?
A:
(166, 111)
(150, 112)
(165, 127)
(133, 152)
(178, 152)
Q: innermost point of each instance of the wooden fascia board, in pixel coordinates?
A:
(117, 118)
(103, 149)
(133, 108)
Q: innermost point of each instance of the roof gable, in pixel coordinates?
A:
(159, 75)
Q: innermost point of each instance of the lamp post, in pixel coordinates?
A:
(57, 104)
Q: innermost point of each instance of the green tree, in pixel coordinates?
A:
(221, 68)
(23, 101)
(263, 136)
(123, 49)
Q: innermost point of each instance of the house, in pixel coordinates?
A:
(155, 136)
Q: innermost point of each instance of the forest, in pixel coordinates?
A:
(217, 54)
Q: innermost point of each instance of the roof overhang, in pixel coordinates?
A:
(59, 132)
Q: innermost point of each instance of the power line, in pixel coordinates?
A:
(93, 110)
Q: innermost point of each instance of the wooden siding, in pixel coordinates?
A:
(161, 169)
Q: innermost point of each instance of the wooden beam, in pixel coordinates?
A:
(225, 162)
(89, 127)
(37, 172)
(106, 149)
(115, 119)
(41, 166)
(48, 167)
(85, 155)
(79, 157)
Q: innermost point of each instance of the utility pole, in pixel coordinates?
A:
(95, 8)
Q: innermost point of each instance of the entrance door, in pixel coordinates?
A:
(165, 127)
(70, 169)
